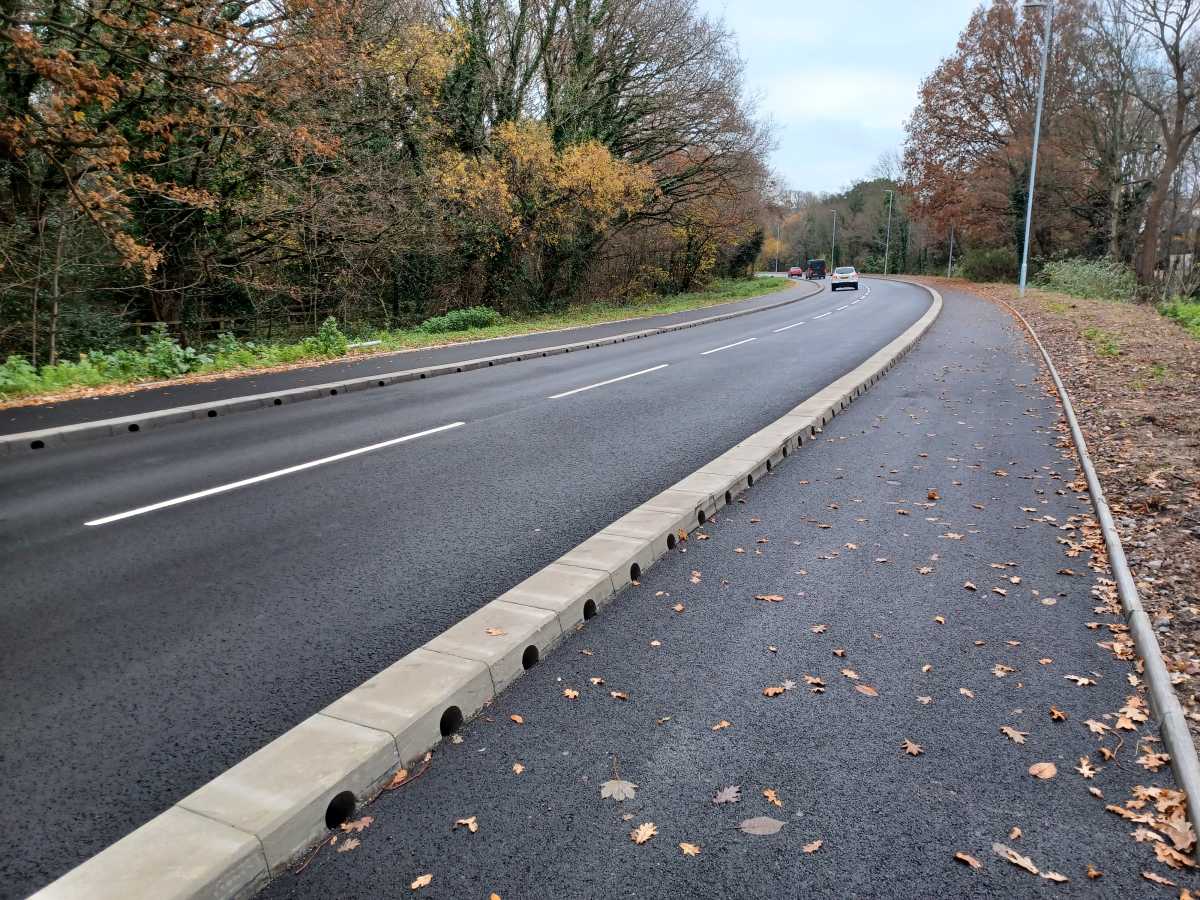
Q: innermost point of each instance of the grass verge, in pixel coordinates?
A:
(162, 360)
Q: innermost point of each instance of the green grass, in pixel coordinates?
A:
(1186, 313)
(1105, 344)
(161, 358)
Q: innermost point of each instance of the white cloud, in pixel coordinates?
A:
(840, 80)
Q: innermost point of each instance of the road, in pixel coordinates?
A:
(946, 469)
(149, 650)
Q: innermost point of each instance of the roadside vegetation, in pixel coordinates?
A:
(381, 162)
(160, 356)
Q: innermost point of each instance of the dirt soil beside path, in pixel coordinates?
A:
(1134, 378)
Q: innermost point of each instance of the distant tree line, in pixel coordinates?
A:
(1119, 170)
(267, 163)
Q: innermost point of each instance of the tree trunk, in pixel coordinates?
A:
(55, 293)
(1148, 258)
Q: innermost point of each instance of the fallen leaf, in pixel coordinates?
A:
(911, 749)
(571, 693)
(1154, 761)
(819, 629)
(721, 725)
(761, 825)
(1080, 680)
(770, 598)
(924, 701)
(941, 620)
(349, 844)
(773, 691)
(851, 674)
(495, 632)
(1017, 737)
(1096, 727)
(518, 768)
(520, 720)
(596, 681)
(1093, 873)
(690, 849)
(1001, 591)
(839, 653)
(970, 586)
(1057, 715)
(618, 789)
(1158, 879)
(866, 689)
(731, 794)
(678, 607)
(1015, 834)
(618, 695)
(398, 779)
(1085, 768)
(953, 536)
(468, 823)
(1172, 857)
(968, 859)
(772, 797)
(967, 692)
(358, 825)
(1055, 876)
(656, 643)
(813, 846)
(1043, 770)
(1012, 856)
(643, 832)
(421, 881)
(925, 570)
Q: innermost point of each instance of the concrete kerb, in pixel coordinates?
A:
(45, 438)
(1163, 700)
(230, 836)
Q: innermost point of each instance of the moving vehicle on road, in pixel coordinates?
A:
(845, 276)
(816, 269)
(795, 272)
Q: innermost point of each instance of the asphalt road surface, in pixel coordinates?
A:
(70, 412)
(174, 602)
(961, 439)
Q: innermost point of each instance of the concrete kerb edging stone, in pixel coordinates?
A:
(43, 438)
(1171, 720)
(229, 837)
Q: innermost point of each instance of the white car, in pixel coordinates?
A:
(844, 276)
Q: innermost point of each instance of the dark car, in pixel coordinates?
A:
(816, 269)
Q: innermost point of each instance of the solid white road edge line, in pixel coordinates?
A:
(233, 486)
(610, 381)
(786, 327)
(728, 346)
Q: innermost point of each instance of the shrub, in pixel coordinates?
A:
(997, 264)
(17, 376)
(462, 320)
(1100, 279)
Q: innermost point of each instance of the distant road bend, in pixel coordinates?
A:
(175, 601)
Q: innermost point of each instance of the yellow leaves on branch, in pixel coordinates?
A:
(534, 193)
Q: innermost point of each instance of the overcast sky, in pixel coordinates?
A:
(839, 79)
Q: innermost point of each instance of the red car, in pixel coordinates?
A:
(795, 272)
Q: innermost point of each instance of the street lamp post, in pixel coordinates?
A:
(887, 247)
(833, 249)
(1048, 7)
